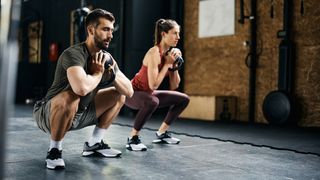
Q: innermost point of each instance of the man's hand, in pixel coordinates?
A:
(109, 67)
(97, 63)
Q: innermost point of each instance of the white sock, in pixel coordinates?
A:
(97, 136)
(159, 133)
(55, 144)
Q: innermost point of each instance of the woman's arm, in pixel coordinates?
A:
(155, 77)
(174, 79)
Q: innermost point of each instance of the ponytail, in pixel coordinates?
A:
(157, 31)
(163, 25)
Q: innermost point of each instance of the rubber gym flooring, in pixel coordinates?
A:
(208, 150)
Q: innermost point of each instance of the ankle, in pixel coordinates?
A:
(55, 144)
(97, 136)
(160, 132)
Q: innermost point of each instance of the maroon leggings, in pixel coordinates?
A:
(147, 103)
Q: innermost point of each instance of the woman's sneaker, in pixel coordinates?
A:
(166, 138)
(54, 159)
(134, 144)
(99, 149)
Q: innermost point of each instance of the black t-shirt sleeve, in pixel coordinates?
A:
(72, 58)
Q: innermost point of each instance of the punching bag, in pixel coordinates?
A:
(78, 24)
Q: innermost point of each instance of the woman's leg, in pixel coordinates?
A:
(146, 104)
(176, 101)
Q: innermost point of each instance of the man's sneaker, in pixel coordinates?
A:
(134, 144)
(54, 159)
(166, 138)
(99, 149)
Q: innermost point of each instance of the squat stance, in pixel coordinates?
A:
(80, 95)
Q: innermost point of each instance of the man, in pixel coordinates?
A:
(80, 95)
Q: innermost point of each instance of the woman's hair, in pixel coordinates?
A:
(163, 25)
(93, 17)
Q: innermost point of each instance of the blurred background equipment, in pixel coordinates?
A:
(278, 106)
(9, 19)
(78, 31)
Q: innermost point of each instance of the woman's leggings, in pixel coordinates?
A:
(147, 103)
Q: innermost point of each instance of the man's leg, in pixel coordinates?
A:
(63, 108)
(108, 103)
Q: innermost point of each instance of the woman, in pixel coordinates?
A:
(157, 64)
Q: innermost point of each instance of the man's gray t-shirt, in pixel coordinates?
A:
(77, 55)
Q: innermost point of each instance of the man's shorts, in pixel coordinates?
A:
(41, 113)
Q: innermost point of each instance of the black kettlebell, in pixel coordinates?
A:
(178, 62)
(108, 70)
(109, 60)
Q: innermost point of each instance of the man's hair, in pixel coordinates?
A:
(93, 17)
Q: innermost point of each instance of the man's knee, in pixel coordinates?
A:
(66, 101)
(121, 100)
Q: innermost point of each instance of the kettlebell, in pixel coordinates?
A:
(178, 62)
(108, 70)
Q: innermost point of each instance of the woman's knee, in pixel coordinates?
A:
(153, 102)
(186, 99)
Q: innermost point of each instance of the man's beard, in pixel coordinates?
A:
(100, 44)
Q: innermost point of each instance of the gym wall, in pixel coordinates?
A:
(134, 25)
(34, 79)
(216, 65)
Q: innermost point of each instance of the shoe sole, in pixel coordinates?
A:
(97, 154)
(130, 148)
(55, 168)
(163, 142)
(52, 166)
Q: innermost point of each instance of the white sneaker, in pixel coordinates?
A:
(99, 149)
(134, 144)
(166, 138)
(54, 159)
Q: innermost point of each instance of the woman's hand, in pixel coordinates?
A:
(173, 55)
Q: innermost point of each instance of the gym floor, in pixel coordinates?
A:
(208, 150)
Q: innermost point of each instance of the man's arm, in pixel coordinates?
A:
(123, 84)
(81, 82)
